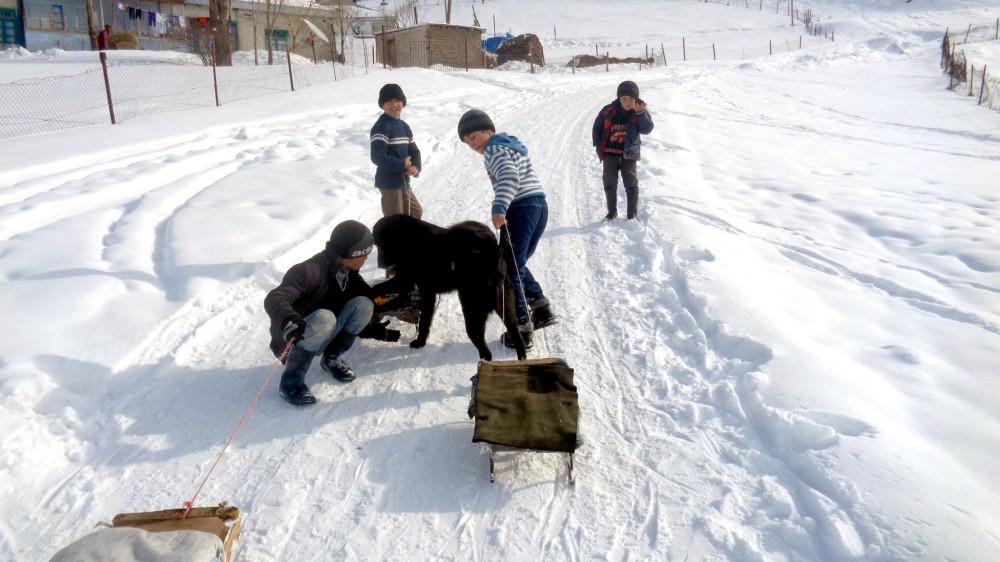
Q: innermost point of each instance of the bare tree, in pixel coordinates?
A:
(218, 20)
(90, 25)
(404, 12)
(342, 20)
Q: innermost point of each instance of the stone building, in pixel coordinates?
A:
(458, 46)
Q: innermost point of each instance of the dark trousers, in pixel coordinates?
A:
(613, 164)
(526, 220)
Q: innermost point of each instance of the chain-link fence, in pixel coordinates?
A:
(963, 74)
(42, 105)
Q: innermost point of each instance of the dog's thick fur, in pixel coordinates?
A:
(463, 257)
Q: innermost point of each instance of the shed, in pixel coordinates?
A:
(425, 45)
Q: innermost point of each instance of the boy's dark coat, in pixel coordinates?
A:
(307, 287)
(463, 257)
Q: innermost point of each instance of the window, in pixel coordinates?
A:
(279, 39)
(8, 31)
(56, 17)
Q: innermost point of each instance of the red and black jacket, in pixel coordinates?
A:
(638, 123)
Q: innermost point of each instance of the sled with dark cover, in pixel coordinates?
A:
(528, 405)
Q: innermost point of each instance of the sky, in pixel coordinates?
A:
(790, 355)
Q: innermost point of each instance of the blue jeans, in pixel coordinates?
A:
(526, 220)
(323, 325)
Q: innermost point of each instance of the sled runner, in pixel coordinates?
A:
(526, 405)
(207, 534)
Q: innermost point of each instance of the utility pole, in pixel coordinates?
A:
(447, 11)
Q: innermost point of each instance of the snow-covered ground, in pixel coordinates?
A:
(792, 355)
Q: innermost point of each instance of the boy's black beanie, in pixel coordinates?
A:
(628, 88)
(474, 120)
(391, 92)
(350, 239)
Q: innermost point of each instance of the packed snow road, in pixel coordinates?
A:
(146, 261)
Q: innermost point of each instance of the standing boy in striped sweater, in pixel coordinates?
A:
(519, 203)
(395, 155)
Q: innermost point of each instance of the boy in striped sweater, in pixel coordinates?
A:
(395, 155)
(519, 203)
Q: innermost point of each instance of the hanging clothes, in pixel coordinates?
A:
(151, 19)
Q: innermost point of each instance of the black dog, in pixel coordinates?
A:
(464, 257)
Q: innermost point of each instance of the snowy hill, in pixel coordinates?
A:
(792, 355)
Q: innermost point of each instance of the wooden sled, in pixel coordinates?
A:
(222, 521)
(526, 405)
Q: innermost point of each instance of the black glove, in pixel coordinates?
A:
(294, 329)
(379, 331)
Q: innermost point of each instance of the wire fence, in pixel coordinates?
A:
(119, 90)
(983, 87)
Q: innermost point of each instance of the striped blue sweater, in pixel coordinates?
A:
(510, 171)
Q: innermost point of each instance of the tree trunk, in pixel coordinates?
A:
(90, 25)
(218, 20)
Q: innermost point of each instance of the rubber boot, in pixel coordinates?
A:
(541, 314)
(332, 363)
(293, 386)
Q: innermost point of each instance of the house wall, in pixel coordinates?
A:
(430, 45)
(407, 47)
(45, 29)
(292, 23)
(448, 46)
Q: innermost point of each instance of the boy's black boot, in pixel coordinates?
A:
(525, 331)
(541, 314)
(331, 361)
(293, 386)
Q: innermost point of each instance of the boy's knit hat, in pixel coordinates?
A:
(474, 120)
(628, 88)
(391, 92)
(350, 239)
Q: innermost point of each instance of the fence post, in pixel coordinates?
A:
(761, 8)
(800, 41)
(607, 62)
(385, 54)
(333, 49)
(713, 51)
(107, 85)
(967, 33)
(364, 53)
(997, 35)
(215, 79)
(770, 47)
(664, 51)
(684, 47)
(982, 86)
(288, 57)
(972, 77)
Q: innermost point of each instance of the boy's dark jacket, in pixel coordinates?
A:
(391, 142)
(638, 123)
(307, 287)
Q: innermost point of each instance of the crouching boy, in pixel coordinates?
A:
(321, 306)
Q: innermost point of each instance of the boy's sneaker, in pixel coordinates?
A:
(337, 368)
(542, 315)
(611, 216)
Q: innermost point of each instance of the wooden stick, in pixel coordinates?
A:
(222, 512)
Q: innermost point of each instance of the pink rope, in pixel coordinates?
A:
(232, 435)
